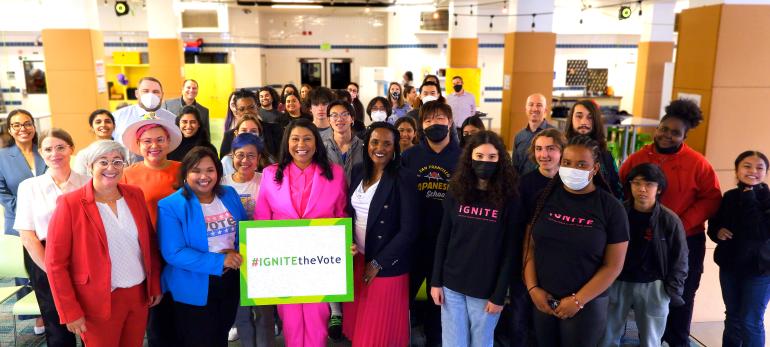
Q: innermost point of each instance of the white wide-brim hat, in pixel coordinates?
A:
(129, 136)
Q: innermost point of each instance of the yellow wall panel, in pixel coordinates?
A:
(215, 83)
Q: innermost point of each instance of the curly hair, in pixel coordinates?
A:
(685, 110)
(597, 127)
(502, 185)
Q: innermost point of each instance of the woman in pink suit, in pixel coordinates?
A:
(302, 185)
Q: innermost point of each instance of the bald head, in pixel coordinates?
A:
(536, 108)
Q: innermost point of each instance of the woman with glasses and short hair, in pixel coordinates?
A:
(102, 255)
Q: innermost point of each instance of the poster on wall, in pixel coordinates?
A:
(577, 72)
(296, 261)
(101, 81)
(693, 97)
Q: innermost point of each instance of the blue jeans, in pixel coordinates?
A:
(650, 304)
(464, 321)
(745, 298)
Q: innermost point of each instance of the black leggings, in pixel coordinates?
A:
(585, 329)
(207, 326)
(56, 334)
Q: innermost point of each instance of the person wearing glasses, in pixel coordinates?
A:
(157, 176)
(34, 207)
(342, 147)
(101, 255)
(18, 162)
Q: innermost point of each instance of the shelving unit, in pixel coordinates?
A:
(133, 73)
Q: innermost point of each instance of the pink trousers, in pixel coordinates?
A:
(305, 325)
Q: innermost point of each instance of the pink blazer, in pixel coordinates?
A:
(328, 199)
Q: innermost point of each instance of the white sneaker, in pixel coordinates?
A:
(232, 335)
(39, 330)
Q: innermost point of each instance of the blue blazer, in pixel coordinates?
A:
(390, 225)
(184, 245)
(13, 170)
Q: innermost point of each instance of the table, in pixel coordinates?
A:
(487, 120)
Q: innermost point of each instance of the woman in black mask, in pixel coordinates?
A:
(475, 250)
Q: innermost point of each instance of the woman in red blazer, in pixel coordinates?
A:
(102, 255)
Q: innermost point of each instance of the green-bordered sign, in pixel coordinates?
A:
(296, 261)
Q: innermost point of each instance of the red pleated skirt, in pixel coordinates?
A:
(379, 314)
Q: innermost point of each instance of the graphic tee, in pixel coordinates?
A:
(570, 236)
(247, 191)
(220, 226)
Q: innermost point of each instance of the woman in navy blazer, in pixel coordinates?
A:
(380, 203)
(18, 162)
(197, 232)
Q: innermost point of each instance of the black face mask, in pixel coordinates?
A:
(484, 169)
(395, 95)
(436, 132)
(458, 87)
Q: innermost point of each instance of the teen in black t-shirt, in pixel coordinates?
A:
(475, 247)
(576, 249)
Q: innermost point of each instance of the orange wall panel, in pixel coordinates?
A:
(167, 64)
(463, 52)
(697, 47)
(743, 53)
(652, 57)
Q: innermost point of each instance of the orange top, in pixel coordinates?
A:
(155, 184)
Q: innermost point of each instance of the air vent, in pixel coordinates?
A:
(434, 21)
(192, 19)
(203, 17)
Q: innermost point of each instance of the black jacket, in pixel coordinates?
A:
(669, 246)
(747, 215)
(390, 227)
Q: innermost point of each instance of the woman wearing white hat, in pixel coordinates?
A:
(154, 138)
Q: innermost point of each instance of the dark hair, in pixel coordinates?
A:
(395, 162)
(385, 102)
(355, 84)
(319, 157)
(431, 108)
(411, 122)
(685, 110)
(17, 112)
(273, 95)
(430, 83)
(289, 85)
(431, 76)
(553, 133)
(474, 121)
(747, 154)
(344, 95)
(230, 116)
(409, 75)
(286, 96)
(348, 107)
(458, 77)
(407, 89)
(502, 185)
(190, 80)
(56, 133)
(98, 112)
(321, 95)
(190, 109)
(597, 128)
(150, 78)
(191, 159)
(243, 94)
(650, 173)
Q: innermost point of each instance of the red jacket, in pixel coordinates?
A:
(693, 188)
(78, 261)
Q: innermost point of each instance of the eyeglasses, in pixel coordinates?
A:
(241, 156)
(26, 125)
(116, 163)
(57, 149)
(149, 142)
(339, 115)
(247, 108)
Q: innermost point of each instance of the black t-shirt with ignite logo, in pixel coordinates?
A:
(433, 171)
(570, 236)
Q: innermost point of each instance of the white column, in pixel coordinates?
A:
(543, 19)
(467, 26)
(162, 19)
(658, 21)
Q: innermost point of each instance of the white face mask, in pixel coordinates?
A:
(379, 116)
(429, 98)
(574, 179)
(150, 101)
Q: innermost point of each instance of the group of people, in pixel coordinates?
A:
(550, 246)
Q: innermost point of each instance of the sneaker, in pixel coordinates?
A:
(39, 330)
(232, 335)
(335, 328)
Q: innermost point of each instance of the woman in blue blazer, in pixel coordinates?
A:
(381, 205)
(18, 162)
(197, 232)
